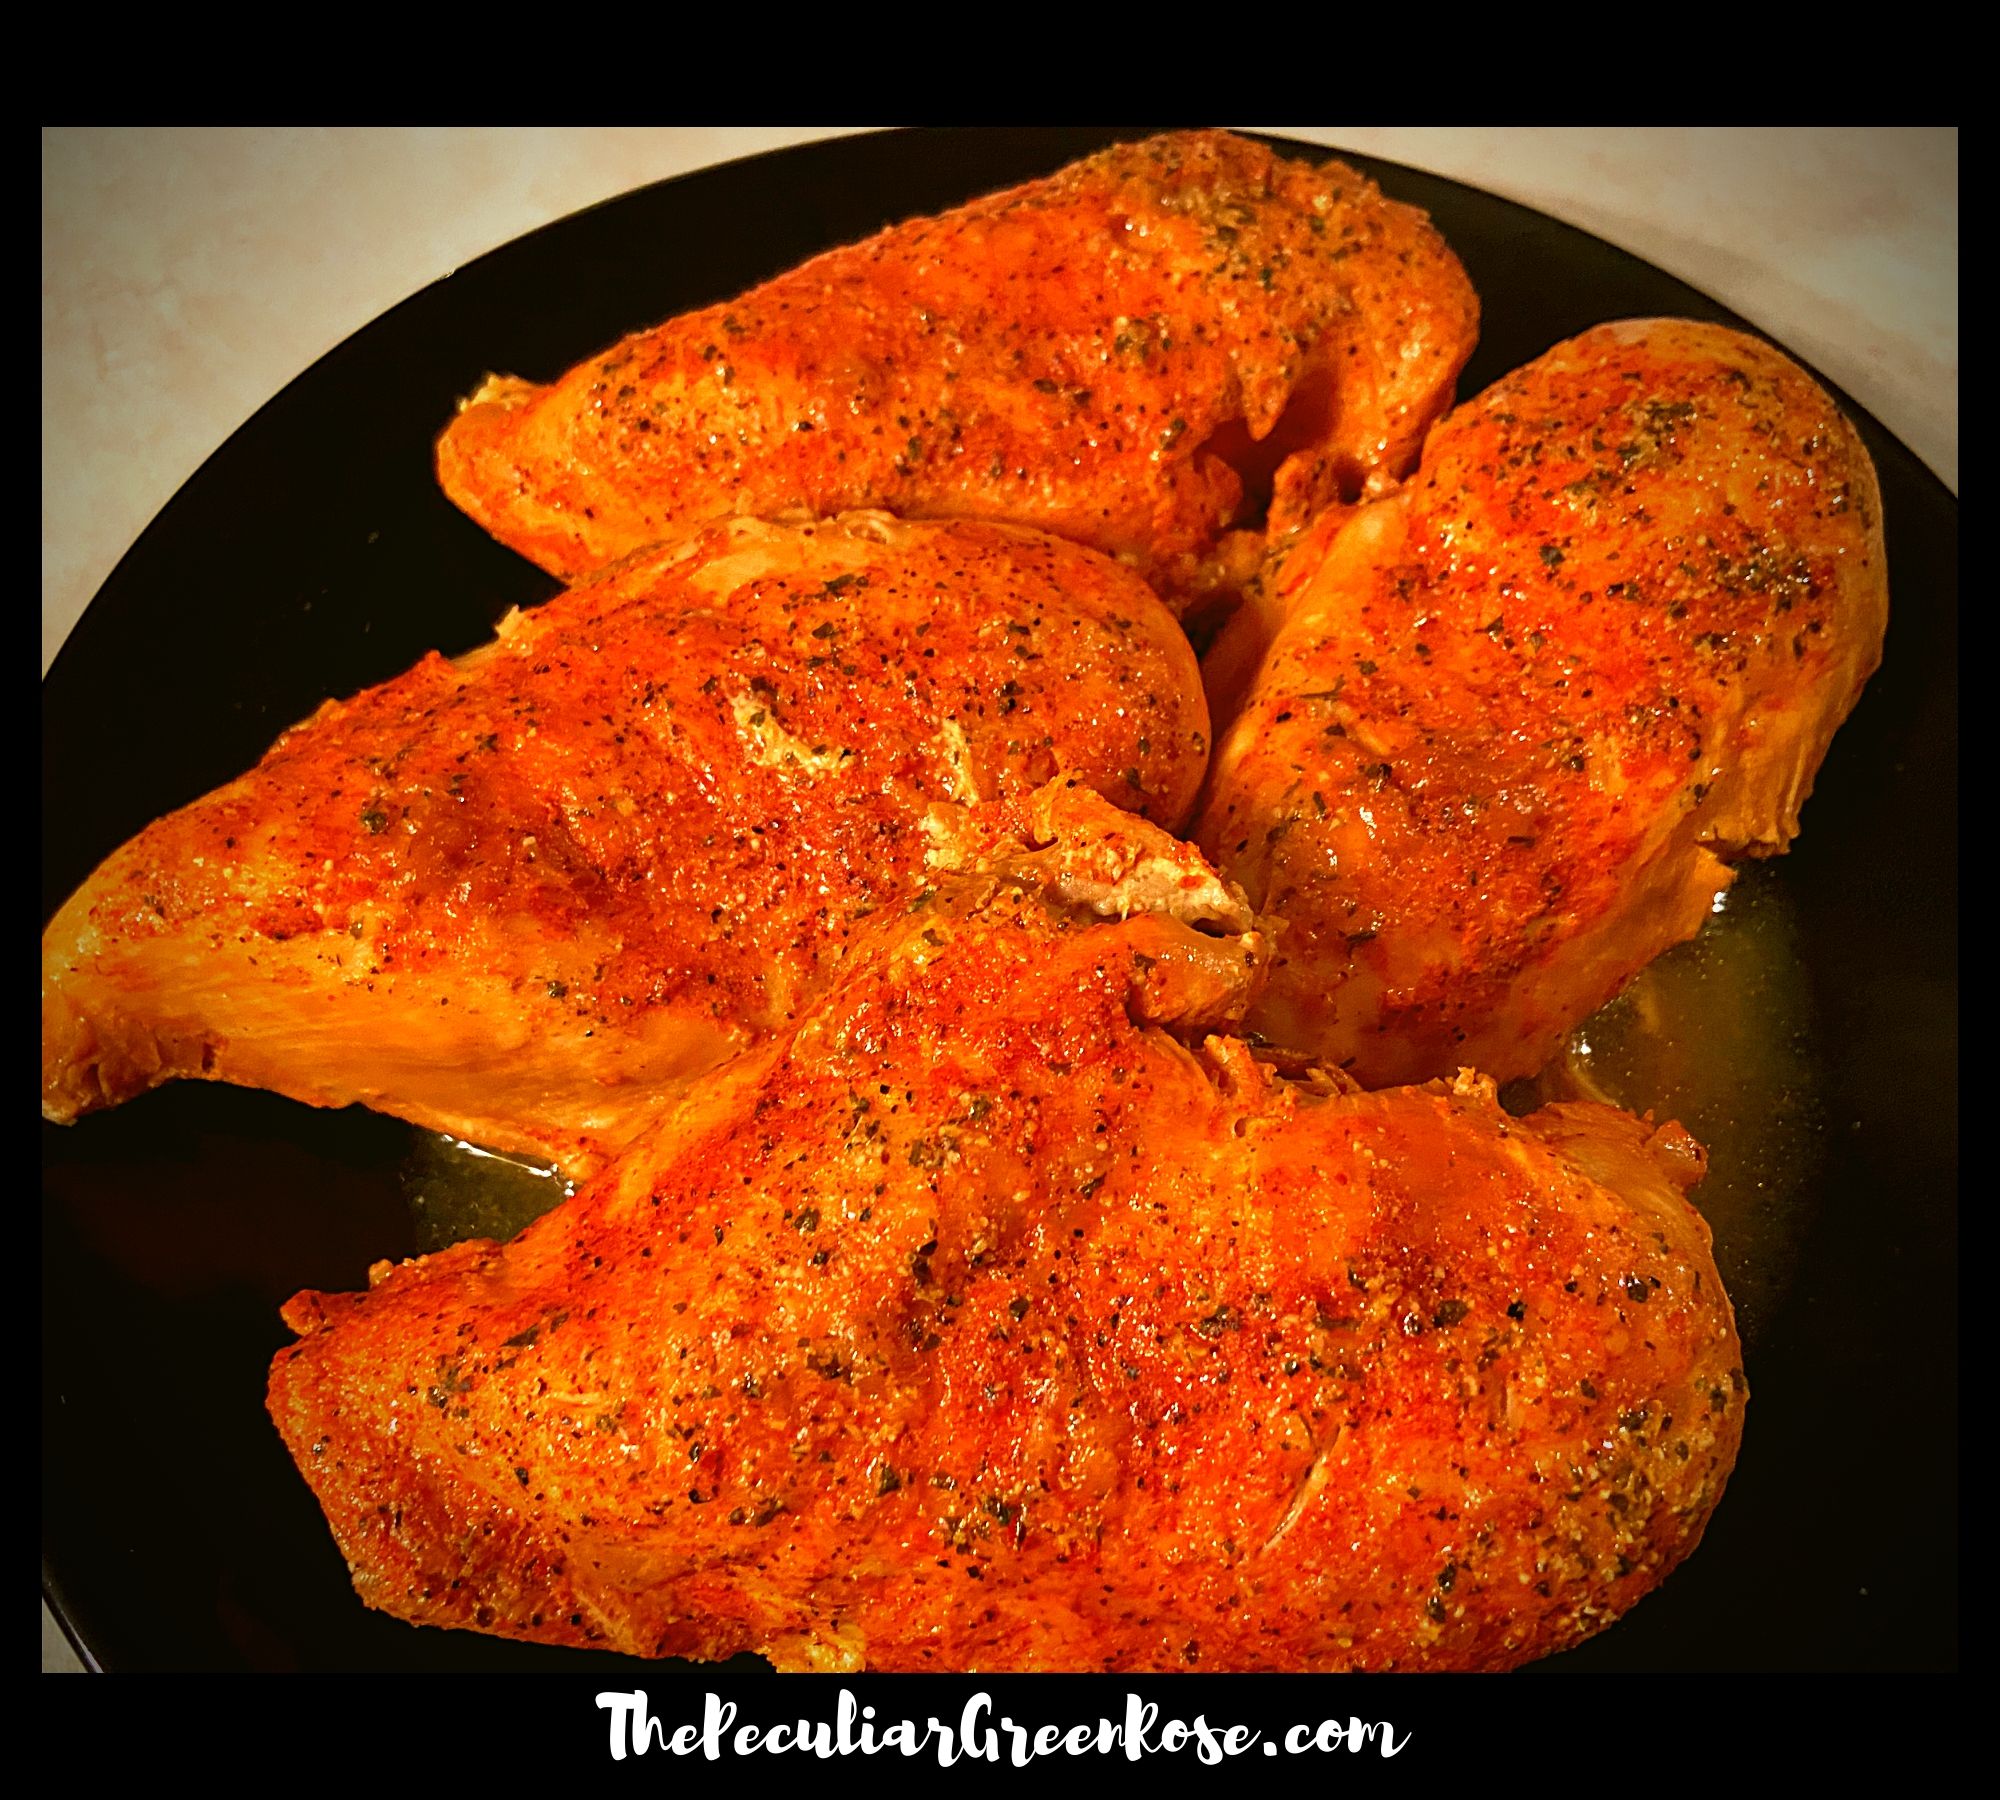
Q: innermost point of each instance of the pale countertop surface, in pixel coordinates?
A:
(187, 275)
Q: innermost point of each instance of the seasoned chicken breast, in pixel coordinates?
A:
(1001, 1314)
(1142, 352)
(1518, 714)
(517, 896)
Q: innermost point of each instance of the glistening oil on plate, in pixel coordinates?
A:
(456, 1190)
(1717, 1034)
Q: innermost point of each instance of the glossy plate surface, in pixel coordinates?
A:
(313, 554)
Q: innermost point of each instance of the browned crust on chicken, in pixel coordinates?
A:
(519, 896)
(1141, 352)
(1518, 715)
(999, 1316)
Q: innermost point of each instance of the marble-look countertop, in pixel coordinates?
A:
(187, 275)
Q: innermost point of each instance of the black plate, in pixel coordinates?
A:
(313, 554)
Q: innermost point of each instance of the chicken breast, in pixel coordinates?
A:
(516, 897)
(1142, 352)
(1001, 1315)
(1517, 714)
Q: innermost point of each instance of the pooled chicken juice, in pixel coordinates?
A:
(456, 1190)
(1718, 1034)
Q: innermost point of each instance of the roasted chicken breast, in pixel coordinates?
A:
(1141, 352)
(517, 896)
(1517, 714)
(1000, 1315)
